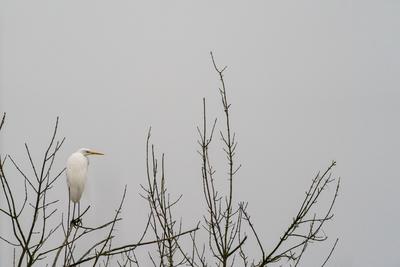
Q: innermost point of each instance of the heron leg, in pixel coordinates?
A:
(68, 221)
(73, 216)
(77, 221)
(69, 206)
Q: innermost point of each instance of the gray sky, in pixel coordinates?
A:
(309, 82)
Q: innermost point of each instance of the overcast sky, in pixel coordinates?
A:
(309, 82)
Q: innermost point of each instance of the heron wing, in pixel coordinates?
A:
(77, 166)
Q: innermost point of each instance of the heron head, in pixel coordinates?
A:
(89, 152)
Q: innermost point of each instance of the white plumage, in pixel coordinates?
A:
(77, 168)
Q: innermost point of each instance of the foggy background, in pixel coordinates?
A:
(309, 82)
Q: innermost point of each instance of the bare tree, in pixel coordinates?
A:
(165, 228)
(227, 224)
(31, 241)
(224, 219)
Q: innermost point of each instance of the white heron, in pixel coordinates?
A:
(77, 168)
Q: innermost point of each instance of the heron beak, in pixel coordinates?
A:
(95, 153)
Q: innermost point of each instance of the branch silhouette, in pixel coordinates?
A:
(221, 237)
